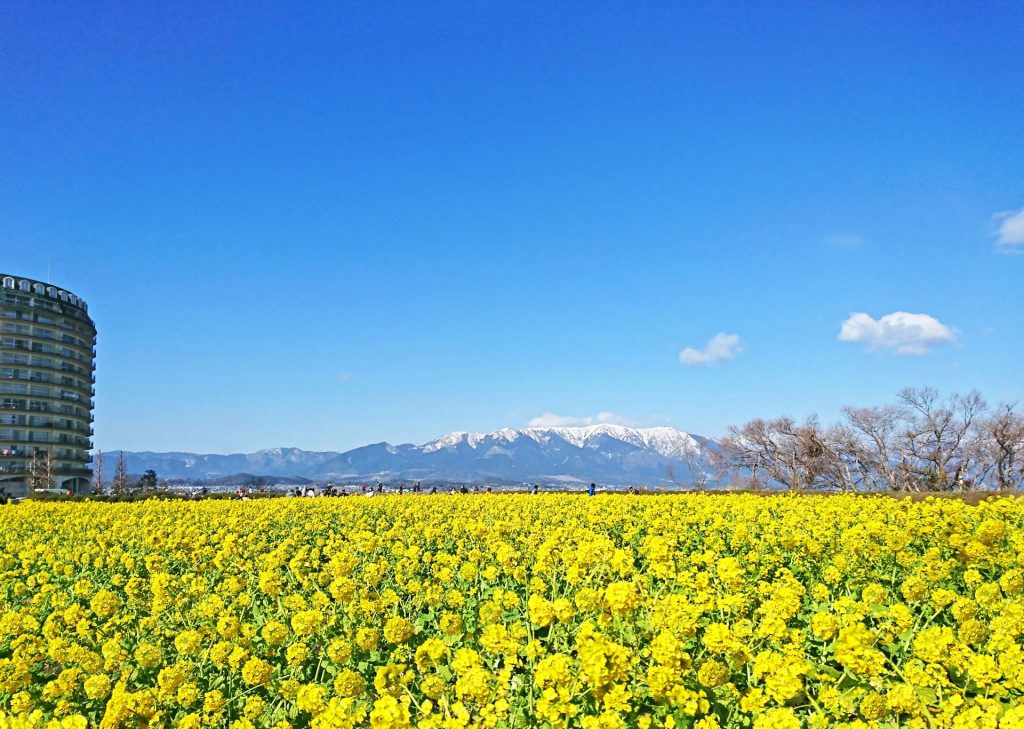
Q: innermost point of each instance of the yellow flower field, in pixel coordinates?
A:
(514, 611)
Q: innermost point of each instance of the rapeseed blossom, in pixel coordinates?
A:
(501, 611)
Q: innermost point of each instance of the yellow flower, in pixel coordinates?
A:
(712, 674)
(855, 652)
(170, 678)
(188, 642)
(367, 638)
(228, 626)
(296, 654)
(188, 694)
(432, 652)
(390, 679)
(553, 671)
(451, 623)
(310, 698)
(398, 630)
(433, 686)
(390, 713)
(105, 603)
(148, 655)
(621, 597)
(349, 684)
(213, 702)
(97, 686)
(307, 622)
(543, 610)
(274, 632)
(257, 672)
(780, 718)
(473, 684)
(825, 625)
(254, 706)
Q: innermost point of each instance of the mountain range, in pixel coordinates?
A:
(608, 454)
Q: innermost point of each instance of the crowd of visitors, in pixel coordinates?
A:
(242, 493)
(380, 488)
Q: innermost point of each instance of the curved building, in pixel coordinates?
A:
(47, 362)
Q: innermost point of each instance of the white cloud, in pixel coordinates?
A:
(720, 348)
(899, 332)
(1010, 230)
(550, 420)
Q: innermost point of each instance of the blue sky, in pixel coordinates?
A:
(324, 225)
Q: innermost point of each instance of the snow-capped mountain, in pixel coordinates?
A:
(609, 454)
(669, 442)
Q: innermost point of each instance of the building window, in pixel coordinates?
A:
(8, 282)
(24, 285)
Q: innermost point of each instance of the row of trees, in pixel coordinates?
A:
(41, 471)
(922, 443)
(121, 483)
(42, 475)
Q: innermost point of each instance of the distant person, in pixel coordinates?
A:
(401, 489)
(536, 489)
(433, 489)
(489, 489)
(592, 490)
(463, 489)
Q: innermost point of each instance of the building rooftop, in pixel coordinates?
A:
(42, 288)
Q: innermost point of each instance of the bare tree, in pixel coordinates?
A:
(933, 455)
(120, 484)
(35, 472)
(795, 456)
(837, 470)
(868, 445)
(41, 471)
(700, 464)
(1005, 442)
(923, 443)
(749, 449)
(97, 486)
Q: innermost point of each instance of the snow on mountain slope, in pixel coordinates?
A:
(667, 441)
